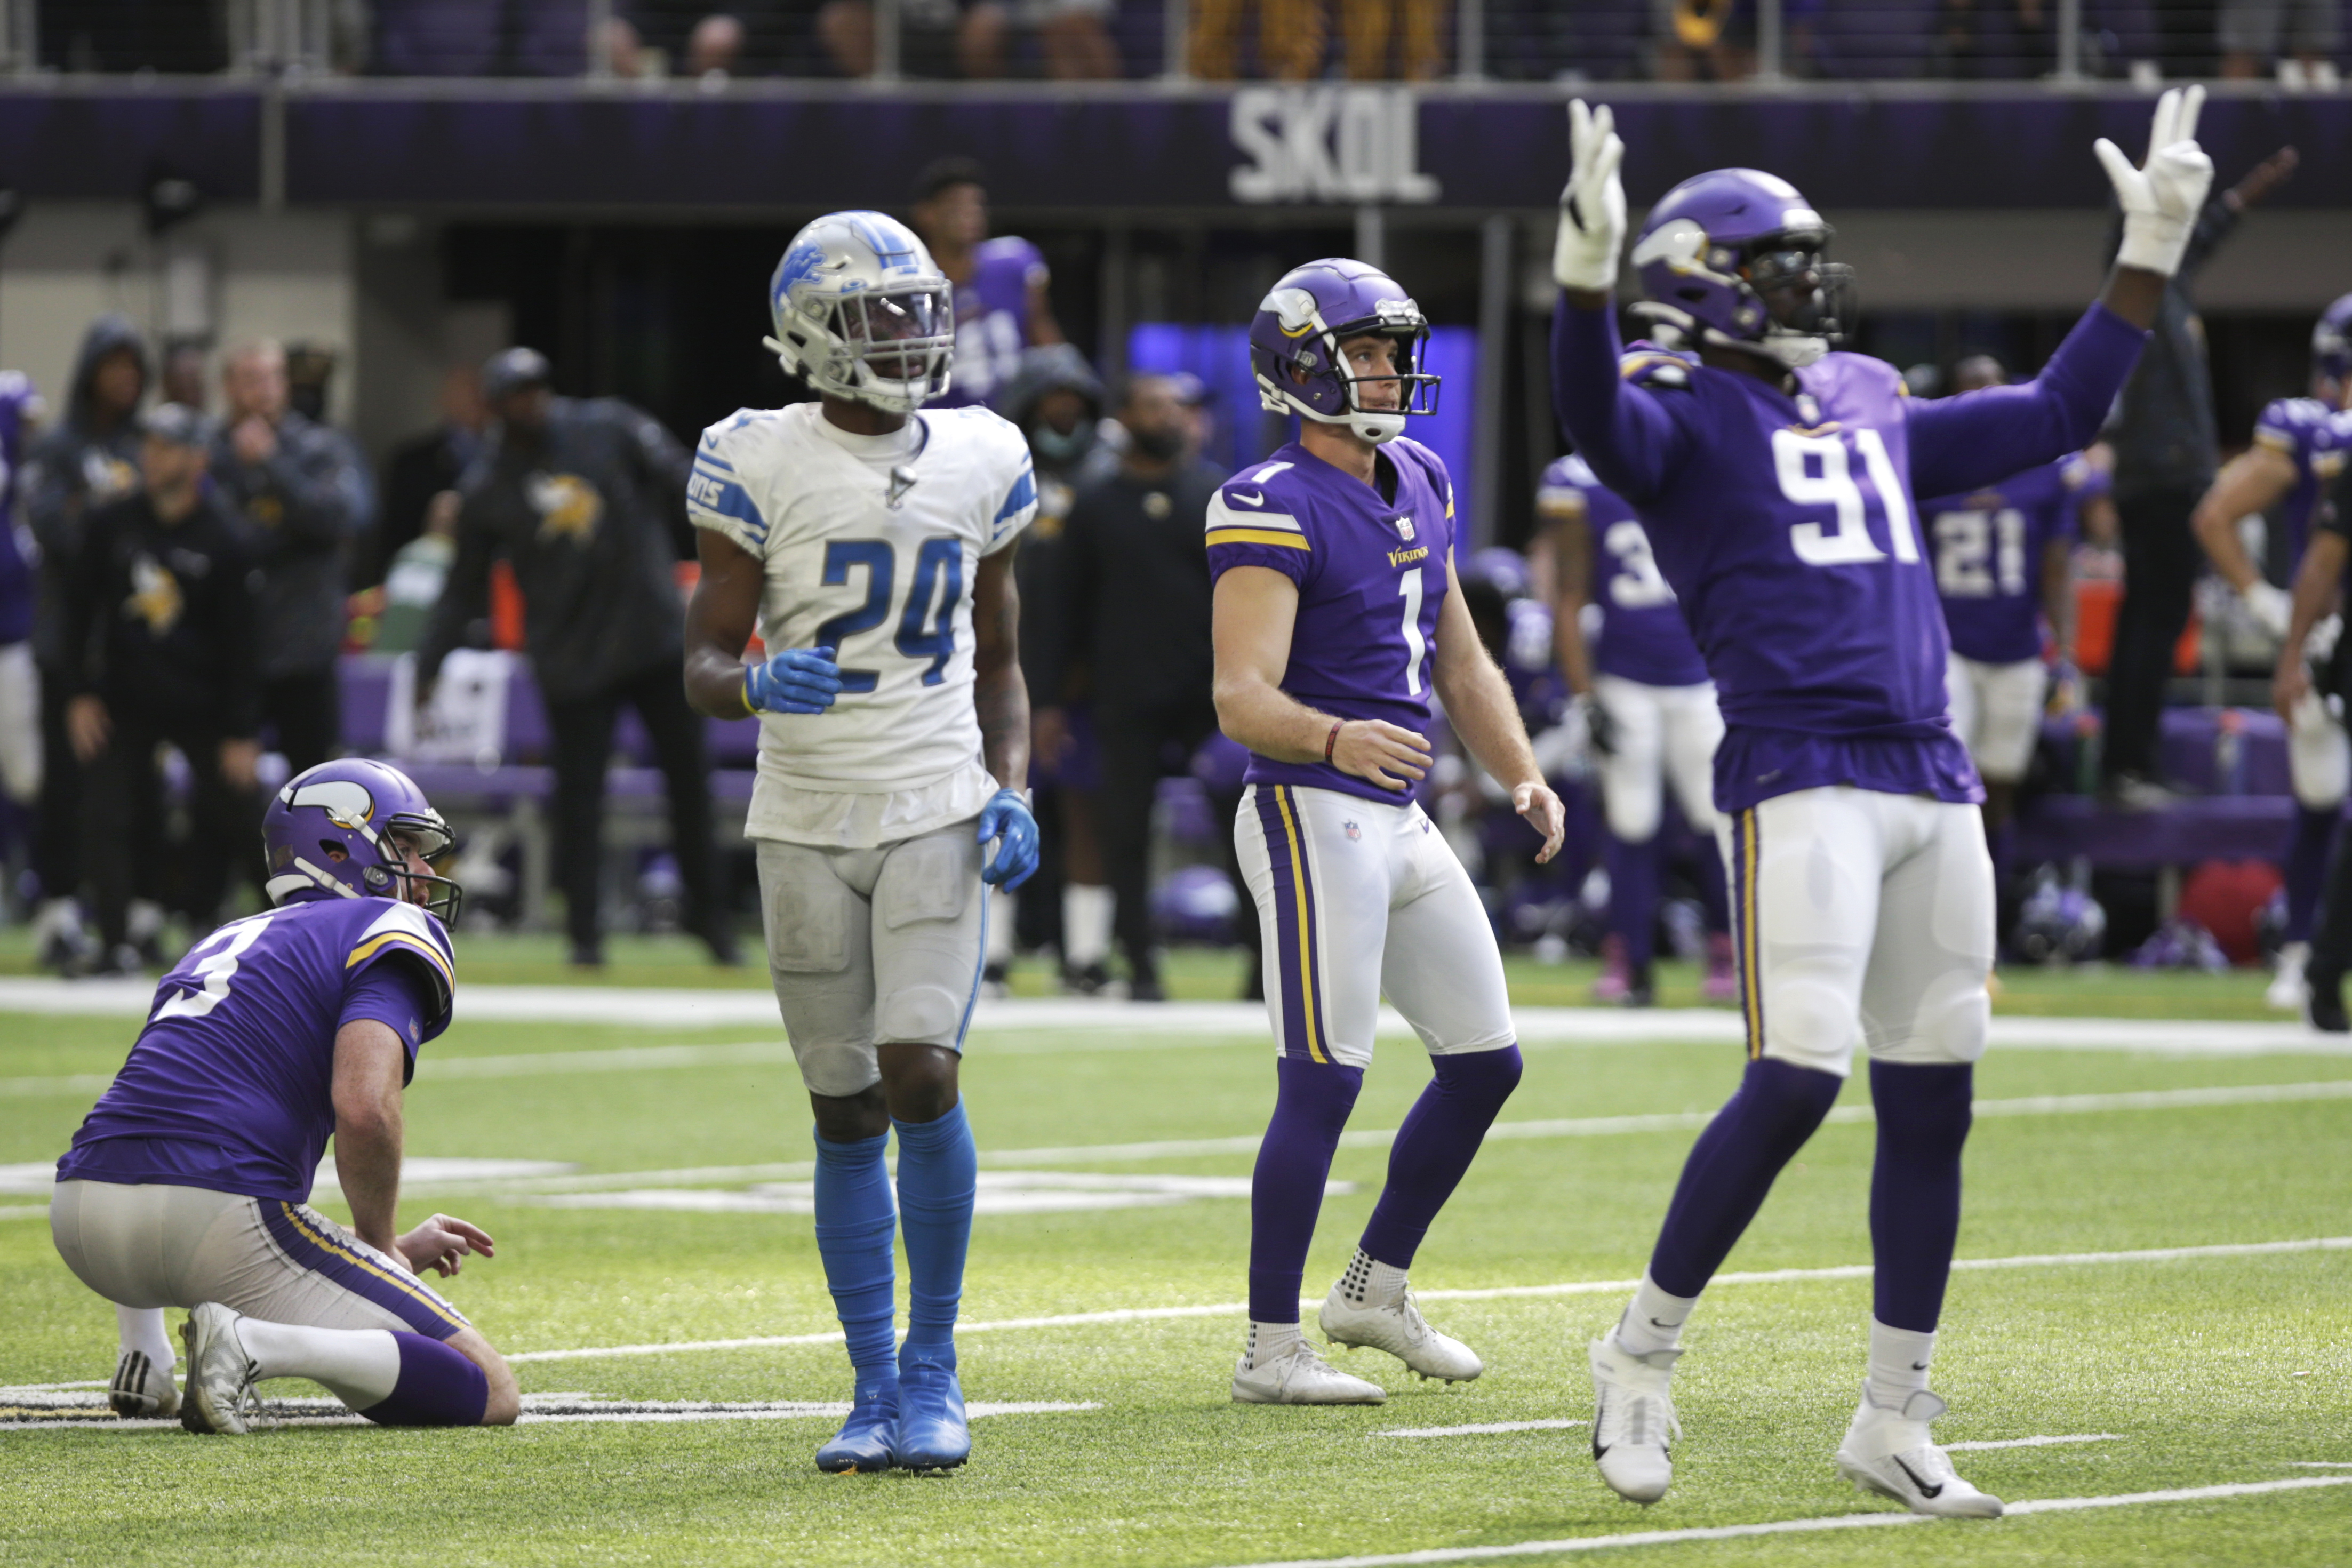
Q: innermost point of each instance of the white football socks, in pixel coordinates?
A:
(1369, 1282)
(1653, 1319)
(1272, 1342)
(1086, 925)
(1898, 1364)
(142, 1328)
(358, 1366)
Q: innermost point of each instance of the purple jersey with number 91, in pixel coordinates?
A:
(1370, 566)
(230, 1086)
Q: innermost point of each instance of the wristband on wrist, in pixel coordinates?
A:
(1331, 741)
(748, 708)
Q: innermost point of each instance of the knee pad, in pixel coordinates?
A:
(837, 1072)
(1810, 1023)
(1951, 1027)
(1632, 809)
(920, 1015)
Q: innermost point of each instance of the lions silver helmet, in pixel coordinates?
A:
(862, 312)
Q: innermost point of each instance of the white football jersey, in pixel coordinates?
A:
(874, 559)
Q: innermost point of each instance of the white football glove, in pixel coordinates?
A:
(2272, 606)
(1592, 207)
(2162, 198)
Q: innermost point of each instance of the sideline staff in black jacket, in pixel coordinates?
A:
(586, 499)
(159, 614)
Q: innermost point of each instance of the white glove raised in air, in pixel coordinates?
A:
(2272, 606)
(2162, 197)
(1592, 207)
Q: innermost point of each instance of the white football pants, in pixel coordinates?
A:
(1355, 898)
(1664, 735)
(1861, 918)
(1997, 713)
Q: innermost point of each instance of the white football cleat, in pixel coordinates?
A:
(1397, 1327)
(2288, 992)
(140, 1389)
(1633, 1425)
(1299, 1376)
(220, 1377)
(1889, 1452)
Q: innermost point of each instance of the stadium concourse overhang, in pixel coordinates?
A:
(585, 212)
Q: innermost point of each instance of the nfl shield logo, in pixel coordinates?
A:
(1354, 832)
(1404, 529)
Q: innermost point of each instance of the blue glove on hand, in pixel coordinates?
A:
(1006, 819)
(797, 680)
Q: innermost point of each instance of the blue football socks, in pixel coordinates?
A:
(1312, 1104)
(438, 1387)
(1732, 1166)
(855, 1219)
(938, 1169)
(1633, 896)
(1440, 1137)
(1915, 1187)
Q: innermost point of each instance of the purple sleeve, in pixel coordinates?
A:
(394, 993)
(1979, 438)
(1627, 435)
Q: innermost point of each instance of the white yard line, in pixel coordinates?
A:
(1796, 1526)
(1494, 1293)
(1129, 1026)
(95, 1416)
(2034, 1442)
(1486, 1427)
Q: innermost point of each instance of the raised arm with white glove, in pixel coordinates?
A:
(1592, 207)
(2162, 197)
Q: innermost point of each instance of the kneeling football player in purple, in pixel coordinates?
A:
(1338, 618)
(189, 1185)
(1773, 478)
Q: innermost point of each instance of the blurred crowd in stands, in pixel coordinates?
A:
(2298, 41)
(200, 569)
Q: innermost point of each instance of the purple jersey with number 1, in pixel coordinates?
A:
(230, 1086)
(1782, 520)
(1643, 635)
(1989, 546)
(992, 319)
(1370, 566)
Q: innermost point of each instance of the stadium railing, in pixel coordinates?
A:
(1762, 43)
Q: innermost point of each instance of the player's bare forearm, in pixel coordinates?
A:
(2058, 594)
(369, 1064)
(719, 620)
(1479, 706)
(1572, 555)
(2135, 294)
(1000, 694)
(1254, 610)
(2254, 481)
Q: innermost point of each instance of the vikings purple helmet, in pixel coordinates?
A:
(1295, 346)
(2331, 344)
(331, 830)
(1716, 244)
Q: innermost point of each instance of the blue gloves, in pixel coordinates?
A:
(797, 680)
(1006, 819)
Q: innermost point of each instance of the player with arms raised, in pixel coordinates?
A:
(871, 545)
(189, 1185)
(2298, 449)
(1773, 478)
(1337, 616)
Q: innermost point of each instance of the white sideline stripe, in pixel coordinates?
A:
(2306, 1464)
(1381, 1138)
(1494, 1293)
(1368, 1138)
(1796, 1526)
(2034, 1442)
(1122, 1022)
(1484, 1426)
(325, 1412)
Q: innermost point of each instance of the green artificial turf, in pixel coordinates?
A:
(2207, 1371)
